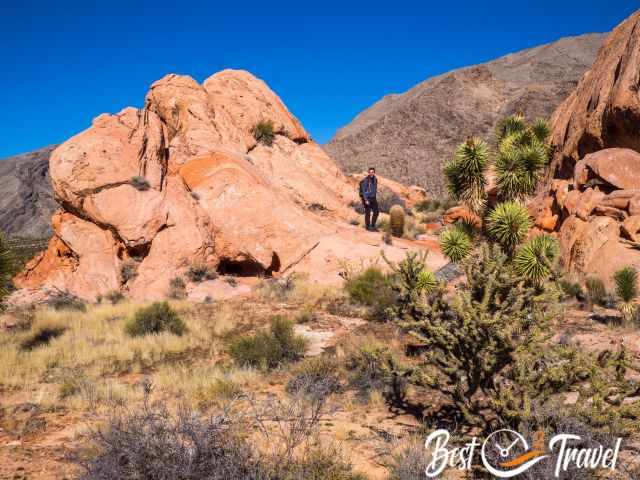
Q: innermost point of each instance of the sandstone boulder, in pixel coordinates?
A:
(617, 167)
(184, 181)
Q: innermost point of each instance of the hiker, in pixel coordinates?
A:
(368, 190)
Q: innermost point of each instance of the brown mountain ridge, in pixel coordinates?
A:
(408, 136)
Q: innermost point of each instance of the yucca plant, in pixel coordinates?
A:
(508, 224)
(510, 125)
(535, 259)
(465, 173)
(427, 282)
(264, 132)
(541, 130)
(455, 243)
(519, 167)
(626, 281)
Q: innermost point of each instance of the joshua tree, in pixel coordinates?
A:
(465, 173)
(627, 292)
(455, 243)
(508, 224)
(535, 259)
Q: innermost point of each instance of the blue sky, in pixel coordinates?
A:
(66, 62)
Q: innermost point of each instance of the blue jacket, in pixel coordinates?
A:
(368, 187)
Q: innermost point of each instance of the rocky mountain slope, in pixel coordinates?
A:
(592, 196)
(147, 194)
(408, 136)
(26, 197)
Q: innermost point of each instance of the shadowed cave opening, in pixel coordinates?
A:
(248, 267)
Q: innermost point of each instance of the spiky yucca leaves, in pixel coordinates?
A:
(508, 224)
(519, 166)
(541, 130)
(488, 348)
(455, 243)
(510, 125)
(465, 173)
(536, 259)
(7, 267)
(626, 281)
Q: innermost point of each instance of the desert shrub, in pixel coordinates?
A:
(177, 289)
(411, 281)
(264, 132)
(571, 289)
(626, 281)
(128, 271)
(312, 372)
(305, 316)
(62, 300)
(278, 289)
(140, 183)
(386, 198)
(156, 318)
(365, 287)
(269, 349)
(371, 287)
(153, 443)
(371, 366)
(321, 463)
(484, 347)
(199, 272)
(114, 297)
(434, 205)
(409, 461)
(41, 335)
(596, 292)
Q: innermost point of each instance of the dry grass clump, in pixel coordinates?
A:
(95, 342)
(269, 349)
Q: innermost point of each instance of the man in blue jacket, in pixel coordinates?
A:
(368, 190)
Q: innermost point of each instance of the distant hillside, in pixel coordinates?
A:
(26, 196)
(408, 136)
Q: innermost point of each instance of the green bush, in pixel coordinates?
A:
(572, 289)
(156, 318)
(269, 349)
(7, 267)
(264, 132)
(369, 286)
(66, 301)
(321, 371)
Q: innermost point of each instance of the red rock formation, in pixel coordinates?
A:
(593, 195)
(184, 181)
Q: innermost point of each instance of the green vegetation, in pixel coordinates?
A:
(140, 183)
(536, 259)
(626, 281)
(41, 335)
(264, 132)
(156, 318)
(456, 243)
(269, 349)
(465, 173)
(508, 224)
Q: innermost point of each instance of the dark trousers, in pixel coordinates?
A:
(372, 206)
